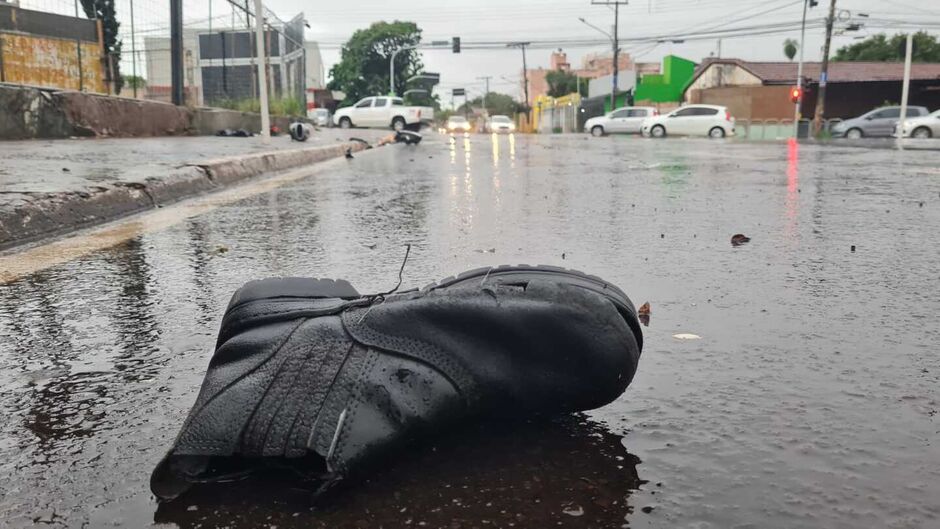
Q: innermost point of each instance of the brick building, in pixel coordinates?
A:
(761, 90)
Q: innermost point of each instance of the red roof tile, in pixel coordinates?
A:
(839, 72)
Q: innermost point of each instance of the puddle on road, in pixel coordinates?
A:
(799, 407)
(536, 474)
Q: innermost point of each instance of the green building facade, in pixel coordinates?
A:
(667, 86)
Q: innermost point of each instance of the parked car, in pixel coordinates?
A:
(382, 111)
(879, 122)
(922, 127)
(691, 120)
(320, 117)
(458, 123)
(499, 124)
(626, 120)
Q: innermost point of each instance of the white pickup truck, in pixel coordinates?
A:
(383, 111)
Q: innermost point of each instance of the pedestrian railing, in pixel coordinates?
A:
(777, 129)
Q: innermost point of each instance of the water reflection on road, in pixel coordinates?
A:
(810, 401)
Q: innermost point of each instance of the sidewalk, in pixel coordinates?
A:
(49, 187)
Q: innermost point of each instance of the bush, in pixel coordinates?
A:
(285, 106)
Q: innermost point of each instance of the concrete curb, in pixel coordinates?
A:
(41, 215)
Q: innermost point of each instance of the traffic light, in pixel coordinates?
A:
(455, 44)
(813, 3)
(796, 94)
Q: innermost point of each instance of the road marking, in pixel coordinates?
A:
(13, 266)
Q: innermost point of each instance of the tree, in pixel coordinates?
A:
(104, 10)
(789, 48)
(363, 67)
(496, 103)
(881, 48)
(135, 81)
(562, 83)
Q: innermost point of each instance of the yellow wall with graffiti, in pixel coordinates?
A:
(51, 62)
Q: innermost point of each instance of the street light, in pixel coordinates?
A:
(391, 68)
(608, 35)
(614, 44)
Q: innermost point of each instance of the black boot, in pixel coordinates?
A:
(309, 368)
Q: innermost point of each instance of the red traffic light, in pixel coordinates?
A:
(796, 94)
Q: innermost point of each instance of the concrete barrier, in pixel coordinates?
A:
(33, 112)
(35, 216)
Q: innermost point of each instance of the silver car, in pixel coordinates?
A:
(921, 128)
(878, 123)
(628, 120)
(320, 117)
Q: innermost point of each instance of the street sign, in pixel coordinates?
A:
(459, 92)
(823, 78)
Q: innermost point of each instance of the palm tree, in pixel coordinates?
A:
(789, 48)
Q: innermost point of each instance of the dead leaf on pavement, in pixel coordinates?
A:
(644, 314)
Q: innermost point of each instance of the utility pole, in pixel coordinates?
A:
(799, 76)
(134, 50)
(613, 89)
(78, 49)
(824, 71)
(176, 51)
(485, 79)
(525, 71)
(262, 73)
(905, 87)
(616, 47)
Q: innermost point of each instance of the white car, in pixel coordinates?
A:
(921, 128)
(458, 123)
(692, 120)
(500, 124)
(626, 120)
(382, 111)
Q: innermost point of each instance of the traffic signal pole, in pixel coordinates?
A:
(797, 114)
(824, 72)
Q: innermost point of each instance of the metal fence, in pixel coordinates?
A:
(219, 53)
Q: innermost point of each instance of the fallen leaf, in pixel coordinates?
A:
(644, 314)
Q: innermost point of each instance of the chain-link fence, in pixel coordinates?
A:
(123, 47)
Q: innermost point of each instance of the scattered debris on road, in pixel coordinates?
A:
(234, 133)
(300, 131)
(739, 238)
(364, 142)
(686, 336)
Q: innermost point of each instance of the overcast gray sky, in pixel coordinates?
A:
(540, 20)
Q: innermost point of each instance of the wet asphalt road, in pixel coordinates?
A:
(810, 400)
